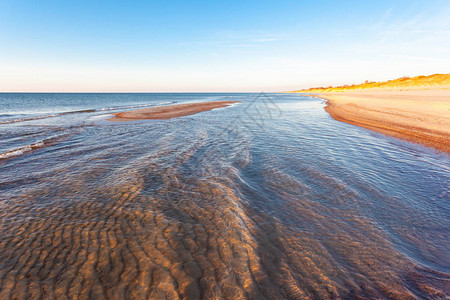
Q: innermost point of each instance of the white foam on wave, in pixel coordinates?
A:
(33, 146)
(135, 106)
(22, 150)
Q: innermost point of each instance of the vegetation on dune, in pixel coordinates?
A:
(403, 82)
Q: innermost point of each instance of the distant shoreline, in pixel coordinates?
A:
(169, 111)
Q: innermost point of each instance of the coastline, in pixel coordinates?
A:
(169, 111)
(416, 115)
(134, 205)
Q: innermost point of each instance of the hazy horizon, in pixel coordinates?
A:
(171, 47)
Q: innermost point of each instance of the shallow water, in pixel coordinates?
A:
(270, 198)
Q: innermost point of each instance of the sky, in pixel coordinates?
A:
(217, 46)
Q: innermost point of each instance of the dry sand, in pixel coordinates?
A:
(169, 111)
(420, 115)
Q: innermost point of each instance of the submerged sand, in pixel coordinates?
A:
(416, 114)
(169, 111)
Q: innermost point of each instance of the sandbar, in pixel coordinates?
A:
(169, 111)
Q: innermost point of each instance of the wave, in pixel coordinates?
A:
(135, 106)
(30, 147)
(47, 116)
(28, 119)
(7, 115)
(17, 120)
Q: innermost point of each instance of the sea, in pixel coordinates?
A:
(270, 198)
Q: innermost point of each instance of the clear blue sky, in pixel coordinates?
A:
(217, 45)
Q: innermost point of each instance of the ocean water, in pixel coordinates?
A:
(267, 199)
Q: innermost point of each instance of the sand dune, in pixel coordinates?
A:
(403, 83)
(169, 111)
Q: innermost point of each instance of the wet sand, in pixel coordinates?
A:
(417, 115)
(154, 232)
(169, 111)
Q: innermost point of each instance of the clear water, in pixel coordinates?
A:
(270, 198)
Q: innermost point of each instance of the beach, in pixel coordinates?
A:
(235, 151)
(418, 115)
(169, 111)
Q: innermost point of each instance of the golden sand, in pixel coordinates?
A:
(169, 111)
(415, 109)
(419, 116)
